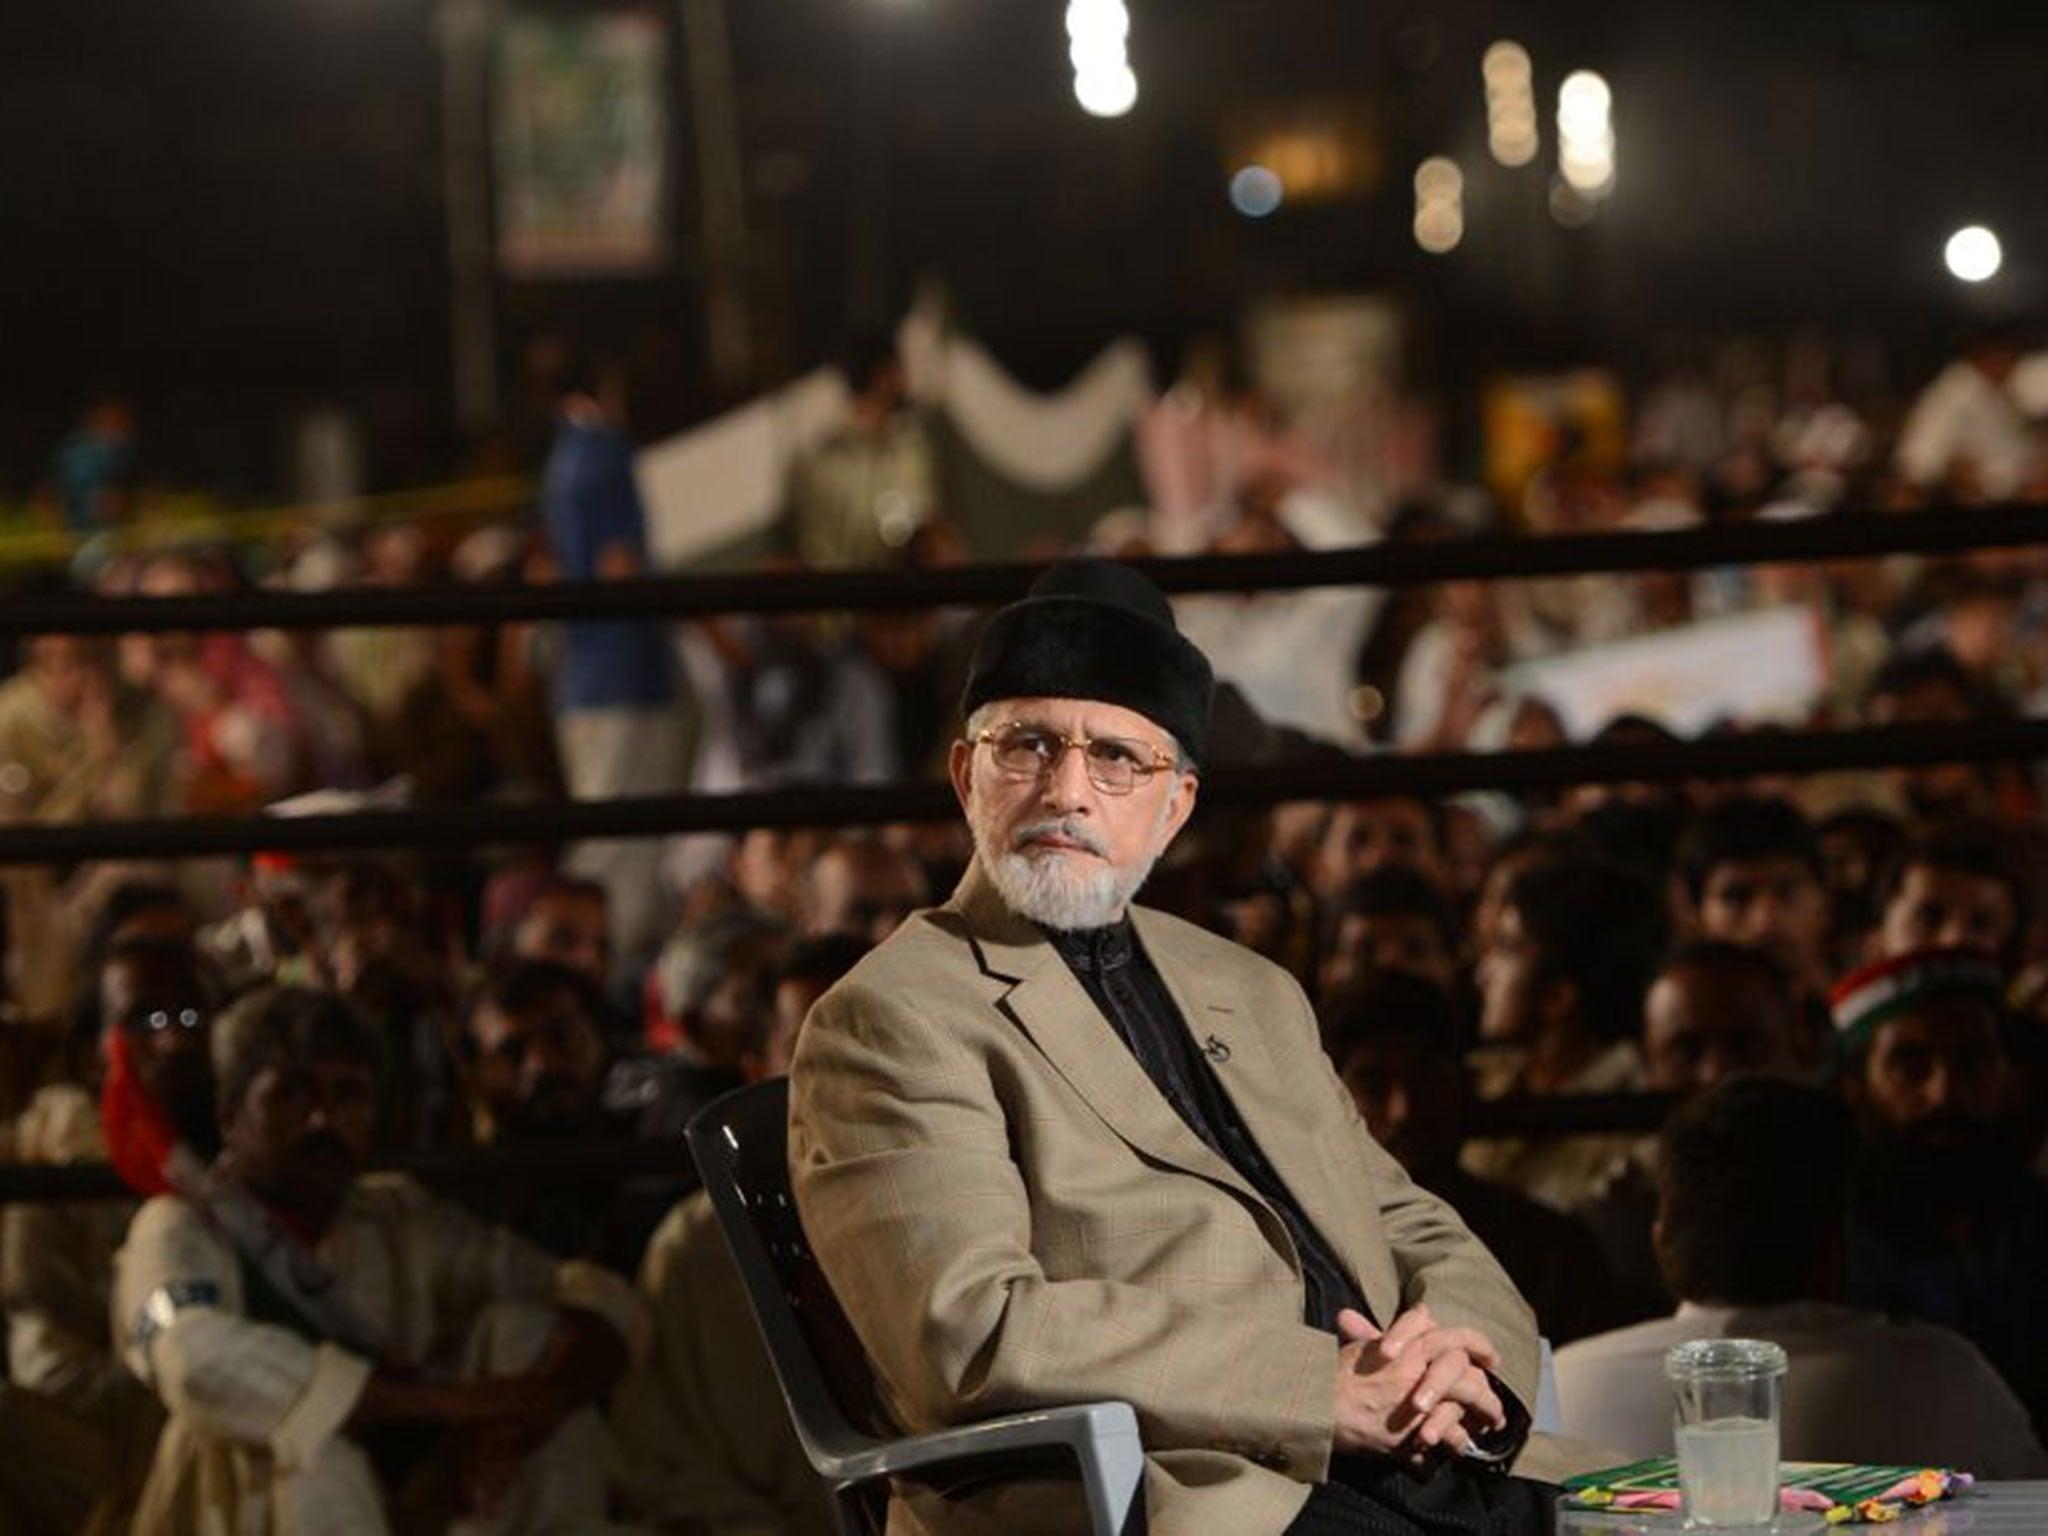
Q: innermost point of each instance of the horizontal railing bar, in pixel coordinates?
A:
(1840, 536)
(596, 1163)
(1336, 777)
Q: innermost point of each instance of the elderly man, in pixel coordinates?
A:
(308, 1330)
(1053, 1147)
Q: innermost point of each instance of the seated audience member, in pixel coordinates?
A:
(533, 1057)
(300, 1310)
(1930, 687)
(766, 871)
(567, 922)
(1366, 835)
(1394, 1040)
(865, 886)
(242, 742)
(1858, 846)
(1561, 979)
(1753, 875)
(1391, 920)
(707, 1438)
(545, 914)
(57, 1258)
(1954, 887)
(79, 745)
(1948, 1223)
(533, 1062)
(1715, 1010)
(1756, 1156)
(710, 988)
(381, 955)
(132, 907)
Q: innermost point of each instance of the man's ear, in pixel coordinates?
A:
(960, 769)
(1180, 803)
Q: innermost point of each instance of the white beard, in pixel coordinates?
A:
(1062, 890)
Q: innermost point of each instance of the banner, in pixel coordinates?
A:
(1761, 667)
(580, 145)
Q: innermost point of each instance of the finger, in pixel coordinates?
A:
(1445, 1372)
(1354, 1327)
(1469, 1341)
(1443, 1428)
(1408, 1327)
(1475, 1393)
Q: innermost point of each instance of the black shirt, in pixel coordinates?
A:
(1112, 966)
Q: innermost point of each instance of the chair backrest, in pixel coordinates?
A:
(740, 1143)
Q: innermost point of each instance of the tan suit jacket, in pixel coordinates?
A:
(1014, 1217)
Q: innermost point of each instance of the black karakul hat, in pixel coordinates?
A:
(1093, 629)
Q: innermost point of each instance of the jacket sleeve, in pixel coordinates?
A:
(177, 1317)
(900, 1155)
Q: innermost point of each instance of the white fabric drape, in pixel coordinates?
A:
(1046, 443)
(724, 479)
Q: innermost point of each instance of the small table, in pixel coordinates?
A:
(1989, 1509)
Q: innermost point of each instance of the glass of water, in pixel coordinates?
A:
(1726, 1392)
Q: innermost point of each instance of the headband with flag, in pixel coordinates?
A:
(1871, 994)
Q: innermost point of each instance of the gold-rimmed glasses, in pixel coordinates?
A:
(1116, 765)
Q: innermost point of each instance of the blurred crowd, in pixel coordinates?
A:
(1839, 980)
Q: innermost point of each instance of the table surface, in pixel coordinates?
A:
(1989, 1509)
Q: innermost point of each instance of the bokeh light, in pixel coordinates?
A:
(1255, 191)
(1973, 254)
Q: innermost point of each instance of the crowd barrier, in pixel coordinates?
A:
(1839, 536)
(598, 1164)
(1935, 532)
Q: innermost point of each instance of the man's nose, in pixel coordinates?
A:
(1067, 785)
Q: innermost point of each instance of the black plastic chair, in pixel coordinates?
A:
(740, 1144)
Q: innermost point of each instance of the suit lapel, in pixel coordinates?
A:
(1033, 986)
(1271, 1100)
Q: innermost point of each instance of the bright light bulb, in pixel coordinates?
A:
(1974, 254)
(1583, 102)
(1107, 92)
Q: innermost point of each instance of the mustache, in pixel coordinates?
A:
(1069, 831)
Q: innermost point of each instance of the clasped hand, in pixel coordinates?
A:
(1415, 1388)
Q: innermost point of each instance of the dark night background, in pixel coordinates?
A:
(232, 209)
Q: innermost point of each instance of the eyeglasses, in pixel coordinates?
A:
(156, 1021)
(1115, 766)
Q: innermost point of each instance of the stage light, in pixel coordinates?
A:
(1973, 254)
(1583, 104)
(1439, 227)
(1255, 191)
(1107, 93)
(1510, 104)
(1097, 34)
(1438, 180)
(1513, 148)
(1585, 130)
(1505, 65)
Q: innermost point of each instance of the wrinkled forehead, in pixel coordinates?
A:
(1076, 717)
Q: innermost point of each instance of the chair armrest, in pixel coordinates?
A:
(1102, 1436)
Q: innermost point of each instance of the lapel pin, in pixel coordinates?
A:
(1215, 1049)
